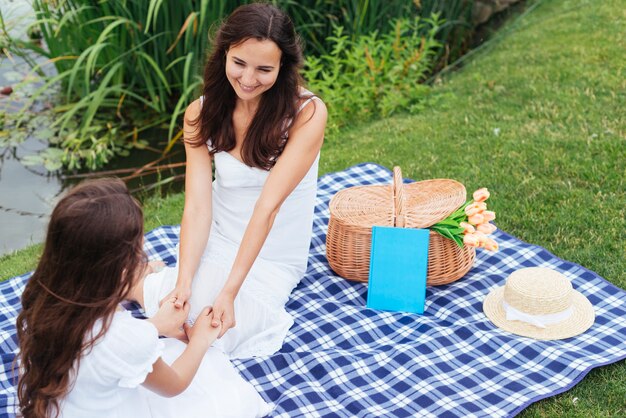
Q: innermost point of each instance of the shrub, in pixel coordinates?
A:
(126, 66)
(374, 75)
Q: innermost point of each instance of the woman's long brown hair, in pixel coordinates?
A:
(92, 255)
(264, 139)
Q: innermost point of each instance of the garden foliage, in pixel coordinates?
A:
(375, 74)
(125, 66)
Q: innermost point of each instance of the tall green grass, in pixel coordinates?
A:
(120, 62)
(124, 66)
(317, 20)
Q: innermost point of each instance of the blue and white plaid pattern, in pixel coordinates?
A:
(341, 359)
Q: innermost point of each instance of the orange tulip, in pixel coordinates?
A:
(474, 208)
(482, 206)
(471, 210)
(491, 245)
(469, 228)
(476, 219)
(482, 238)
(486, 228)
(471, 240)
(489, 215)
(481, 195)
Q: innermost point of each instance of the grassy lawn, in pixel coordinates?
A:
(537, 115)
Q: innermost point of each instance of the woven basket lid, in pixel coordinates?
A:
(414, 205)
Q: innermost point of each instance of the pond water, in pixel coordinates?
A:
(28, 193)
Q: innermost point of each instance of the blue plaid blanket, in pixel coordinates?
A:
(341, 359)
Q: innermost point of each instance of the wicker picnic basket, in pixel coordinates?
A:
(355, 210)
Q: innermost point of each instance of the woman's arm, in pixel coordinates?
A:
(196, 221)
(305, 141)
(172, 380)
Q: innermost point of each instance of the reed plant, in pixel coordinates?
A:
(317, 21)
(125, 66)
(128, 64)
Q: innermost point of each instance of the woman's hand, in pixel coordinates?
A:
(224, 312)
(202, 331)
(169, 320)
(180, 294)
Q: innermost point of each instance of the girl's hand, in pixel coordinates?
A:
(181, 295)
(202, 332)
(224, 313)
(169, 320)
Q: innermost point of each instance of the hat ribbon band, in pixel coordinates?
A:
(540, 321)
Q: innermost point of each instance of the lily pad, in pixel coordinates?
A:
(13, 76)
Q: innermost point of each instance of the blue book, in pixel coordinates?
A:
(398, 267)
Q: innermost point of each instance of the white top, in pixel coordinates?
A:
(110, 373)
(262, 320)
(108, 384)
(237, 188)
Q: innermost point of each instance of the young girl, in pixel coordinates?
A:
(245, 237)
(82, 356)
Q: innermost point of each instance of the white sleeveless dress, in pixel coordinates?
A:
(262, 321)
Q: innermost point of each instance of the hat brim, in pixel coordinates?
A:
(580, 321)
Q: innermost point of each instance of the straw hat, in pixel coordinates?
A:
(540, 303)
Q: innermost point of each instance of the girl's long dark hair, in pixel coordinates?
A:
(91, 257)
(264, 139)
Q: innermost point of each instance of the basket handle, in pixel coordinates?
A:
(399, 203)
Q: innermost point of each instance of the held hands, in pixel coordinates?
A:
(181, 295)
(202, 331)
(224, 313)
(169, 320)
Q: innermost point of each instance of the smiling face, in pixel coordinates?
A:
(252, 67)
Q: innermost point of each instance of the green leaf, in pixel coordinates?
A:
(44, 133)
(178, 110)
(449, 222)
(32, 160)
(156, 69)
(458, 240)
(52, 165)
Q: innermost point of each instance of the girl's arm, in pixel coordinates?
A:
(172, 380)
(196, 221)
(305, 141)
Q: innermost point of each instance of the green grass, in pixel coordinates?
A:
(157, 212)
(553, 85)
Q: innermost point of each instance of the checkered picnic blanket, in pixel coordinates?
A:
(341, 359)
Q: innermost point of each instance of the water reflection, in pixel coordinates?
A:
(28, 193)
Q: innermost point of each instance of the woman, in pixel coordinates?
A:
(245, 237)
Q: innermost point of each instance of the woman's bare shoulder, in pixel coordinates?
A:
(311, 112)
(305, 94)
(193, 110)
